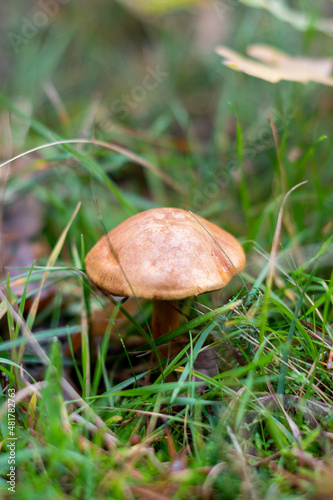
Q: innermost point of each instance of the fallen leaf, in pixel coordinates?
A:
(274, 65)
(22, 243)
(275, 57)
(23, 220)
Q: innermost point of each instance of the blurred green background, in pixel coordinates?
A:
(144, 75)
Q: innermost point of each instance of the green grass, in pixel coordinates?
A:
(96, 421)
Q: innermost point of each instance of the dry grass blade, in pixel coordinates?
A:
(57, 102)
(306, 459)
(26, 332)
(113, 147)
(287, 220)
(276, 238)
(207, 487)
(293, 427)
(149, 494)
(109, 436)
(247, 488)
(269, 284)
(296, 285)
(52, 259)
(109, 439)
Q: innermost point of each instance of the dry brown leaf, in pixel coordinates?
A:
(22, 244)
(273, 65)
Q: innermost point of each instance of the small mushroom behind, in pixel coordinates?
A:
(164, 254)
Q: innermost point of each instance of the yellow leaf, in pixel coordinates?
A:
(32, 405)
(114, 420)
(153, 7)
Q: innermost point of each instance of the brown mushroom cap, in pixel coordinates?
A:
(165, 254)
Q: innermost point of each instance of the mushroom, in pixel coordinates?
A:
(164, 254)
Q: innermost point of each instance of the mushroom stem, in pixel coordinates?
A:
(165, 318)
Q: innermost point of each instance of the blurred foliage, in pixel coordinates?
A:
(86, 74)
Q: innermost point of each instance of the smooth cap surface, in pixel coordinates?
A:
(165, 254)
